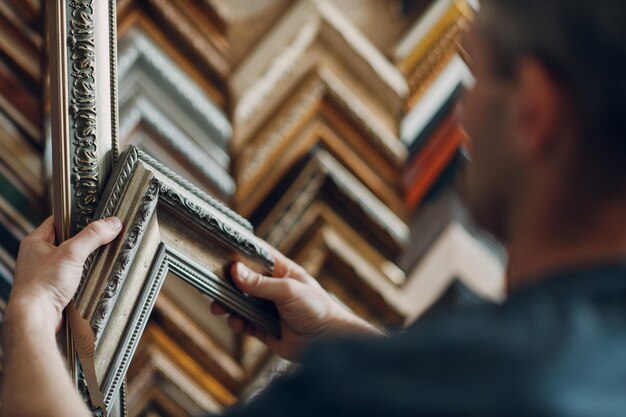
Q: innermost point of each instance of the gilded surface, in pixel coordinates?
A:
(81, 40)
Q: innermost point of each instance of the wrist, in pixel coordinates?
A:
(346, 322)
(36, 311)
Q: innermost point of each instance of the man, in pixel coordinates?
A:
(546, 116)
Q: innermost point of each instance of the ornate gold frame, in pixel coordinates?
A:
(83, 95)
(171, 227)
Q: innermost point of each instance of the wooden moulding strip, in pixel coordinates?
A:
(271, 155)
(251, 198)
(24, 213)
(432, 66)
(21, 44)
(438, 101)
(319, 131)
(30, 10)
(210, 84)
(383, 76)
(363, 280)
(60, 120)
(413, 169)
(373, 121)
(367, 173)
(209, 46)
(21, 158)
(360, 144)
(7, 269)
(416, 33)
(219, 362)
(207, 20)
(307, 35)
(431, 162)
(297, 214)
(458, 10)
(456, 254)
(10, 234)
(258, 162)
(154, 370)
(190, 367)
(24, 209)
(20, 103)
(345, 272)
(385, 268)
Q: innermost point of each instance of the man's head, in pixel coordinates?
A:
(548, 109)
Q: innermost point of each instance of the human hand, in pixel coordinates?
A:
(307, 311)
(46, 275)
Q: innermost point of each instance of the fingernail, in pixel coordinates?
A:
(243, 272)
(114, 222)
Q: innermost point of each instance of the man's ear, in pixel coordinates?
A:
(538, 108)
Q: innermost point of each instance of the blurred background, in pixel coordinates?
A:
(329, 124)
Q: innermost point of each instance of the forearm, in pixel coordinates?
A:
(36, 380)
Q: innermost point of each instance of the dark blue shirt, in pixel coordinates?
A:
(556, 348)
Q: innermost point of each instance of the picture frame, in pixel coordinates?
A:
(120, 282)
(171, 228)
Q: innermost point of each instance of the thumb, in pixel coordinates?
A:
(257, 285)
(96, 234)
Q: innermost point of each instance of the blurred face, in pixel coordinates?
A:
(488, 183)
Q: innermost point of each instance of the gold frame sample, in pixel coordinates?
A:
(83, 125)
(83, 111)
(170, 227)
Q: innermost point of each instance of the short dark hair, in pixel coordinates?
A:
(583, 44)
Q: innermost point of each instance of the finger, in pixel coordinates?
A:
(257, 285)
(285, 267)
(45, 231)
(89, 239)
(241, 326)
(273, 343)
(237, 324)
(218, 309)
(259, 334)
